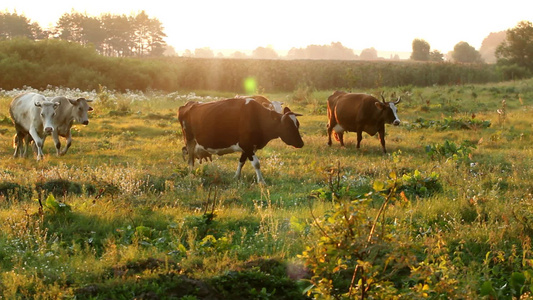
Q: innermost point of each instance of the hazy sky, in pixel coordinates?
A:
(387, 25)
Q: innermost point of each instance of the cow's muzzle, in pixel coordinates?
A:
(48, 130)
(396, 122)
(85, 122)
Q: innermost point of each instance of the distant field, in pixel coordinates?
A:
(124, 218)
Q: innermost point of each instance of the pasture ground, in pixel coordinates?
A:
(124, 218)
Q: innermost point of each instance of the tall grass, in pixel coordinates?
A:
(123, 217)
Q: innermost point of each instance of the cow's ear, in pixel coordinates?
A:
(56, 104)
(286, 110)
(90, 109)
(380, 105)
(38, 103)
(73, 102)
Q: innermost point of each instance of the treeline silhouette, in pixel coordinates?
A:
(110, 35)
(38, 64)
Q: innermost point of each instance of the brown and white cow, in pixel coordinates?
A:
(358, 113)
(235, 125)
(33, 116)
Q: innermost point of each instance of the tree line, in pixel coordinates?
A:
(111, 35)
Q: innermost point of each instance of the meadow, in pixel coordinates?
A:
(447, 213)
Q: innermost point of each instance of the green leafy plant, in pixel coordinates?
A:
(450, 150)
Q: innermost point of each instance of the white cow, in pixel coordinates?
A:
(69, 111)
(33, 117)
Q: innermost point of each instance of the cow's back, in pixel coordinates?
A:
(355, 110)
(22, 110)
(214, 125)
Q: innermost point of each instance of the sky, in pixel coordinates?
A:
(386, 25)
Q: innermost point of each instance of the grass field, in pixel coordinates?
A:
(447, 213)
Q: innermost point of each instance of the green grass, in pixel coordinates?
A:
(138, 223)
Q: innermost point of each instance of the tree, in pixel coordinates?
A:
(148, 35)
(119, 37)
(264, 53)
(490, 44)
(464, 53)
(12, 25)
(518, 47)
(332, 51)
(205, 52)
(436, 55)
(369, 54)
(420, 50)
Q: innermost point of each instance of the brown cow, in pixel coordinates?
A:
(235, 125)
(358, 113)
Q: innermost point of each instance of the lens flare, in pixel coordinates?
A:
(250, 86)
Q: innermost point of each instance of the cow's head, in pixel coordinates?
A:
(289, 129)
(47, 113)
(389, 110)
(81, 107)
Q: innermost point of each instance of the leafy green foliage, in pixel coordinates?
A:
(416, 184)
(450, 150)
(449, 124)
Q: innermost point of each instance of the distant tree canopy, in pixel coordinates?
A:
(517, 50)
(420, 50)
(110, 35)
(332, 51)
(369, 54)
(490, 44)
(265, 53)
(464, 53)
(13, 25)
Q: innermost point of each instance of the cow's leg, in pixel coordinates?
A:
(38, 143)
(57, 143)
(190, 149)
(242, 160)
(17, 144)
(27, 142)
(69, 142)
(359, 138)
(382, 140)
(341, 137)
(330, 130)
(255, 163)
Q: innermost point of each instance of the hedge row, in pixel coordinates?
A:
(59, 63)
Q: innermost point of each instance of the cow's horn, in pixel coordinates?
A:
(398, 101)
(382, 98)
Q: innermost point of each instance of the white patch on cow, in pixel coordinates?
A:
(395, 112)
(338, 128)
(277, 106)
(255, 163)
(234, 148)
(248, 100)
(293, 118)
